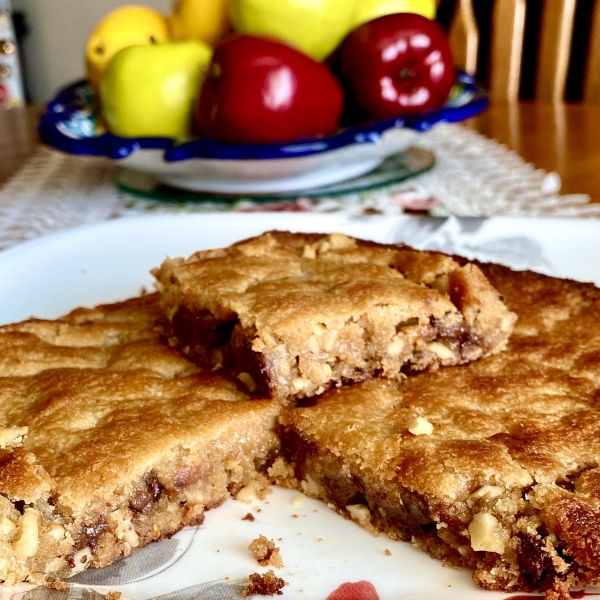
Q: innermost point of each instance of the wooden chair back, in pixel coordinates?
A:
(506, 50)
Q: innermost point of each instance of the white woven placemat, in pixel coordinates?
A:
(473, 176)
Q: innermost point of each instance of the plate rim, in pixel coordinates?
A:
(366, 222)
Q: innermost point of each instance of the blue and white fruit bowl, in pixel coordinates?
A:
(71, 124)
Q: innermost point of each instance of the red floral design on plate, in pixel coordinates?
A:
(361, 590)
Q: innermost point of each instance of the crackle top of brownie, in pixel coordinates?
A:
(312, 310)
(111, 439)
(119, 337)
(121, 425)
(496, 463)
(558, 320)
(502, 421)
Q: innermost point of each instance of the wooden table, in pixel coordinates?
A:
(561, 138)
(555, 137)
(18, 138)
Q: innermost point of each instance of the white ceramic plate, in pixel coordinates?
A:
(321, 550)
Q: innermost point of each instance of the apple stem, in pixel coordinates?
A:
(407, 73)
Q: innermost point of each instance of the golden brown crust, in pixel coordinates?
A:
(113, 440)
(294, 314)
(558, 320)
(492, 465)
(120, 336)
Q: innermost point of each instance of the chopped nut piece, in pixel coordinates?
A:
(442, 352)
(248, 493)
(247, 380)
(81, 560)
(267, 584)
(420, 426)
(309, 252)
(28, 534)
(485, 491)
(266, 552)
(486, 533)
(11, 437)
(7, 527)
(300, 383)
(360, 513)
(387, 552)
(311, 487)
(248, 517)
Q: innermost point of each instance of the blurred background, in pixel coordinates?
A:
(52, 36)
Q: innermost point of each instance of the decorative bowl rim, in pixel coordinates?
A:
(69, 124)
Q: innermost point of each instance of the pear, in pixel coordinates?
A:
(151, 90)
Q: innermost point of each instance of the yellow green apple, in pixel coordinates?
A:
(367, 10)
(314, 27)
(151, 90)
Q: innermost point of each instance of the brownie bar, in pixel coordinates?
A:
(493, 465)
(111, 439)
(293, 314)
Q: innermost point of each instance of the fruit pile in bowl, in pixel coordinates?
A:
(255, 97)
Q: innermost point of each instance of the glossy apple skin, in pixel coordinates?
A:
(260, 90)
(397, 64)
(151, 90)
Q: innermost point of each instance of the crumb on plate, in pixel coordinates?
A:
(58, 585)
(267, 584)
(266, 552)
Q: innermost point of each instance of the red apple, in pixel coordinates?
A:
(260, 90)
(398, 64)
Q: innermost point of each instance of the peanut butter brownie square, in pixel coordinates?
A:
(294, 314)
(493, 465)
(111, 439)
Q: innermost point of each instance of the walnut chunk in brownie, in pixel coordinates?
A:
(294, 314)
(266, 552)
(267, 584)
